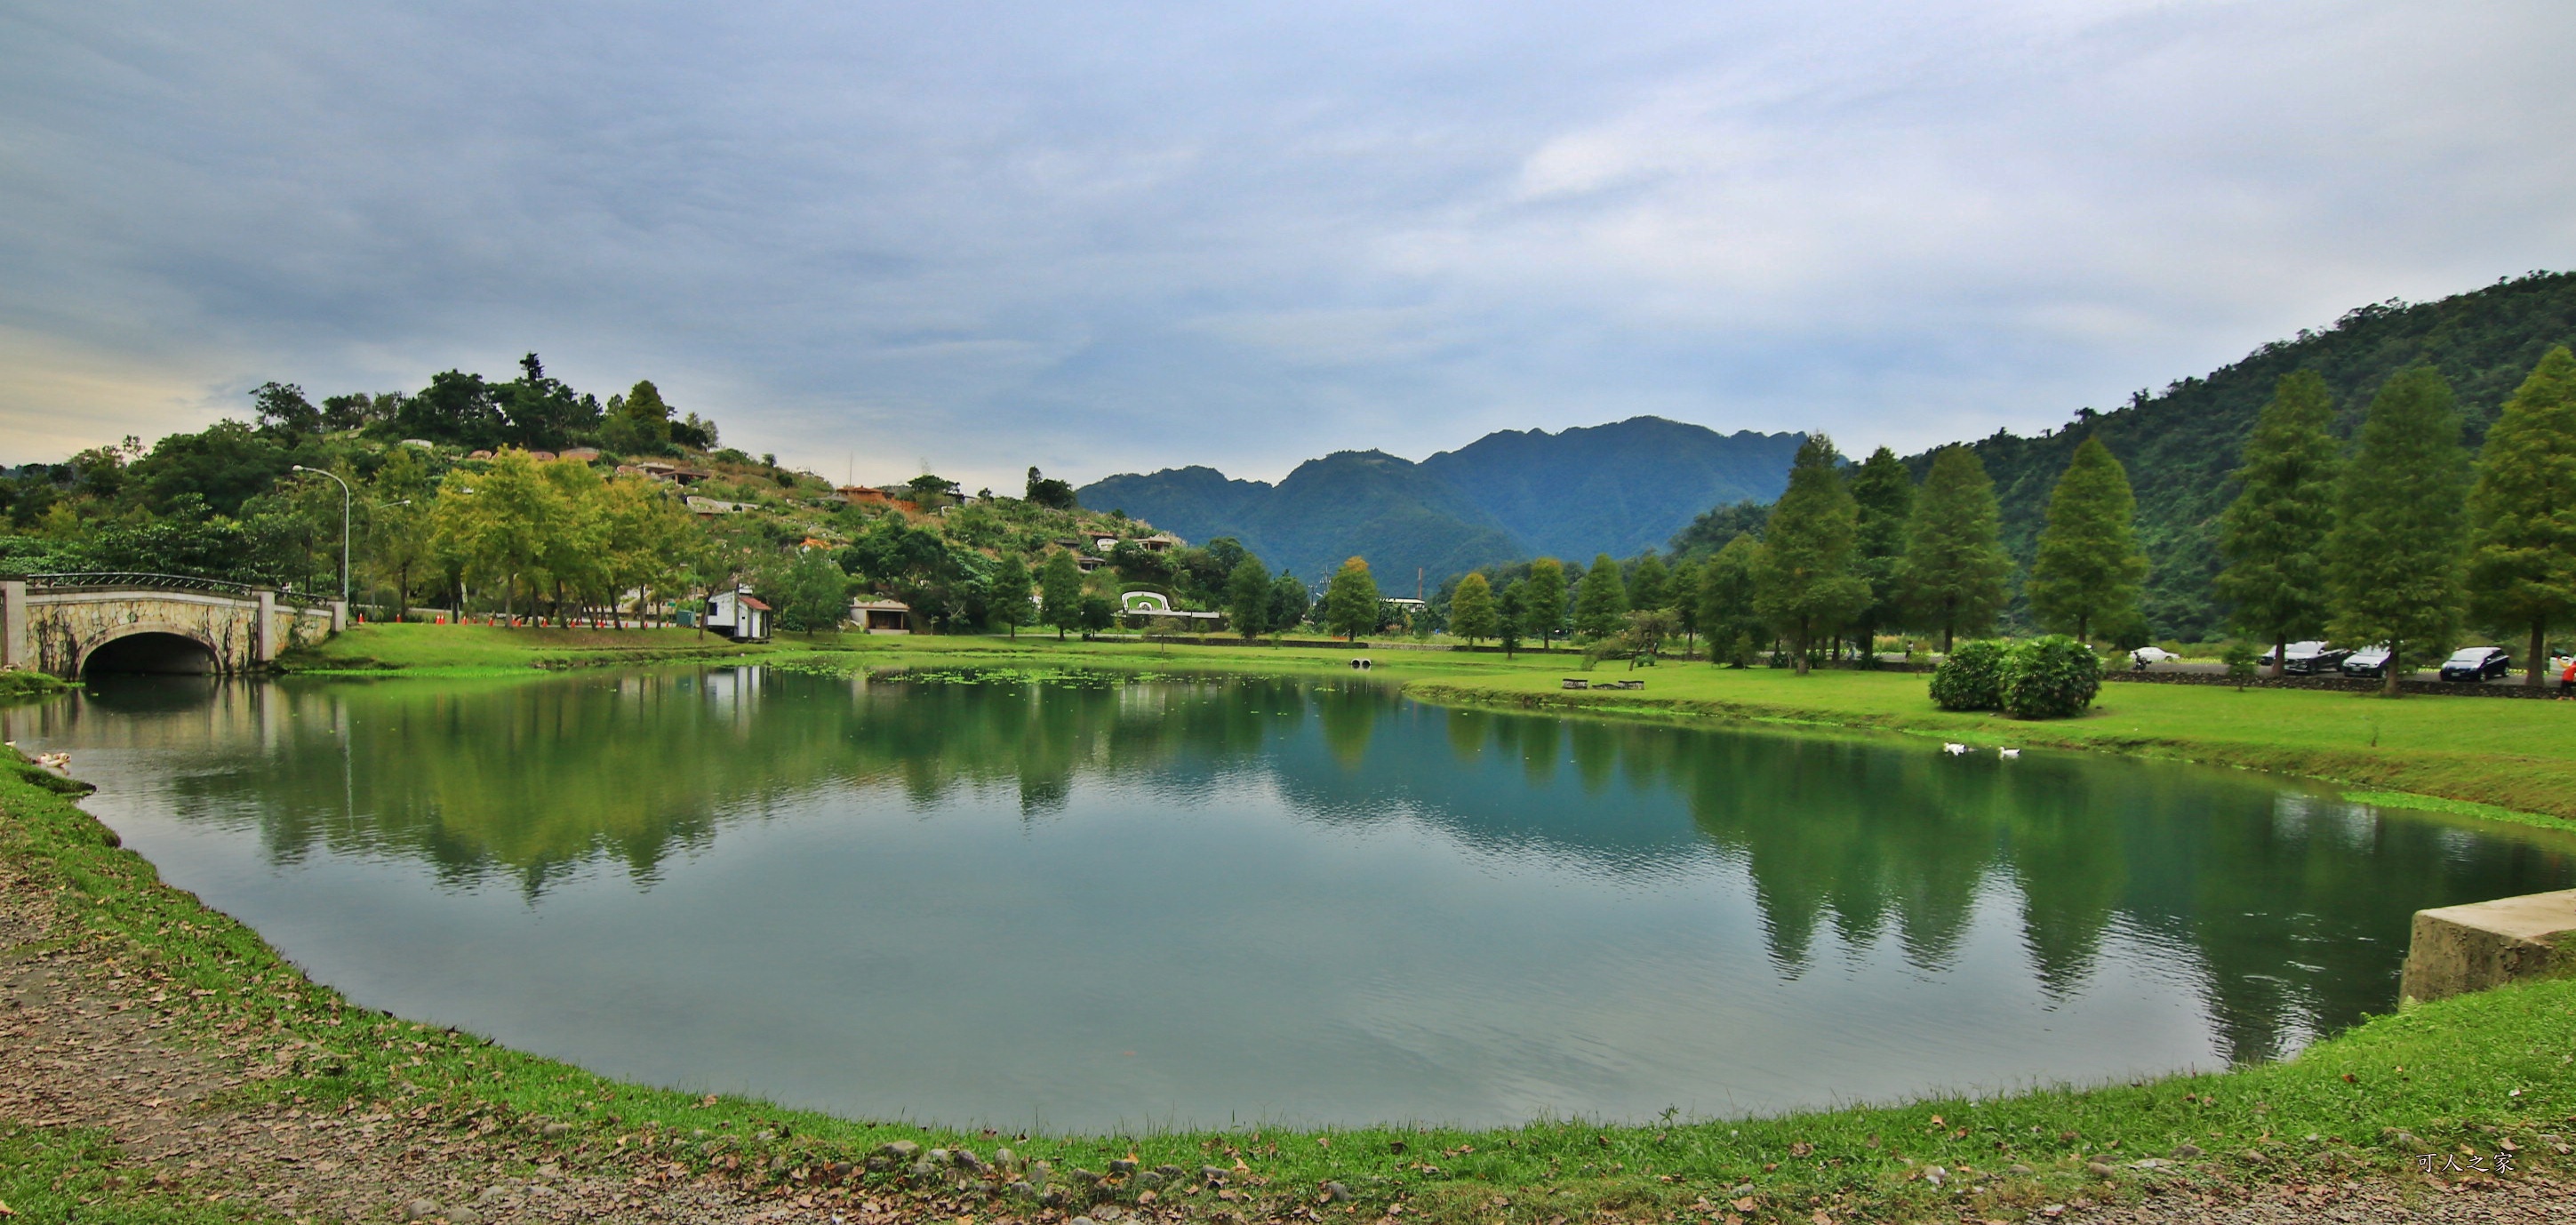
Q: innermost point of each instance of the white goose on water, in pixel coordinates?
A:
(2009, 754)
(1954, 750)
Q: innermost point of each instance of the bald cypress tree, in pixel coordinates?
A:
(2400, 524)
(1471, 609)
(1651, 586)
(1804, 581)
(2271, 535)
(2522, 511)
(1955, 575)
(1543, 601)
(2089, 570)
(1600, 599)
(1883, 495)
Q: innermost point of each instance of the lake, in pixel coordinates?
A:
(1093, 903)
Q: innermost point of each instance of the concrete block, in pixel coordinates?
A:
(2457, 949)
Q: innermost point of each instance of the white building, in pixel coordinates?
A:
(740, 615)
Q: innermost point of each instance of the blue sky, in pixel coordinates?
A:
(1117, 237)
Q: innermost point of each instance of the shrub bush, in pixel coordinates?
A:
(2241, 660)
(2050, 678)
(1972, 678)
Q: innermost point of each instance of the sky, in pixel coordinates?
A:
(1123, 236)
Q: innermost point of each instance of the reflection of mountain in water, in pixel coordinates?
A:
(2290, 912)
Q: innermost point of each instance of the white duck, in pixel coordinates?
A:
(1954, 750)
(2009, 754)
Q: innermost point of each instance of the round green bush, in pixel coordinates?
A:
(2050, 678)
(1972, 678)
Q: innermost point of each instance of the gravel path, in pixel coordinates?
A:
(2519, 1200)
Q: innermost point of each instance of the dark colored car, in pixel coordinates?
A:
(2307, 658)
(2369, 661)
(2476, 664)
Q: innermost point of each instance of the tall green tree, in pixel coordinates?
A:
(2401, 524)
(2089, 570)
(1884, 493)
(1681, 594)
(502, 523)
(1725, 602)
(2275, 580)
(638, 422)
(1060, 593)
(1804, 582)
(1351, 601)
(1650, 585)
(1600, 600)
(1011, 583)
(1471, 609)
(1288, 602)
(1050, 492)
(650, 539)
(399, 544)
(1543, 601)
(1955, 574)
(815, 594)
(1247, 597)
(2522, 511)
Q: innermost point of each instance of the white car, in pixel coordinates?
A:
(2143, 656)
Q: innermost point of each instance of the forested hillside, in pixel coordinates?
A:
(2180, 444)
(1350, 503)
(1622, 487)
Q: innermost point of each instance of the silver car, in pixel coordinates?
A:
(2368, 661)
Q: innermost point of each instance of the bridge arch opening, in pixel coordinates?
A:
(153, 653)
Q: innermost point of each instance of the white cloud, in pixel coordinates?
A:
(1113, 239)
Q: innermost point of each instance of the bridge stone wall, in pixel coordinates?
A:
(57, 631)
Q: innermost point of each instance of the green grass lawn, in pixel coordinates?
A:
(2480, 756)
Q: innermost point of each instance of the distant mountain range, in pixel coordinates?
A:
(1621, 488)
(1634, 485)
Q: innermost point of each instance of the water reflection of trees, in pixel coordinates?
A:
(2295, 910)
(536, 779)
(2289, 914)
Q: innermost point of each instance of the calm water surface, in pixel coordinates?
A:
(1082, 904)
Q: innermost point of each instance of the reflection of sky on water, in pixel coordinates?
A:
(967, 902)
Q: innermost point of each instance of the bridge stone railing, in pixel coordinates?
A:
(121, 580)
(55, 621)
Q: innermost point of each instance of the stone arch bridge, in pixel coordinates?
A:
(71, 624)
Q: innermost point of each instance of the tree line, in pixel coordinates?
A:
(1848, 551)
(2407, 540)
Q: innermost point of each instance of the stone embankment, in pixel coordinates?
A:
(2457, 949)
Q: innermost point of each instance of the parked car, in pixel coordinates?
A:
(2371, 661)
(2140, 658)
(2308, 657)
(2476, 664)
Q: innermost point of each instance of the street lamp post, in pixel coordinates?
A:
(344, 527)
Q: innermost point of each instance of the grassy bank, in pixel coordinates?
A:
(28, 685)
(2494, 759)
(2476, 1071)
